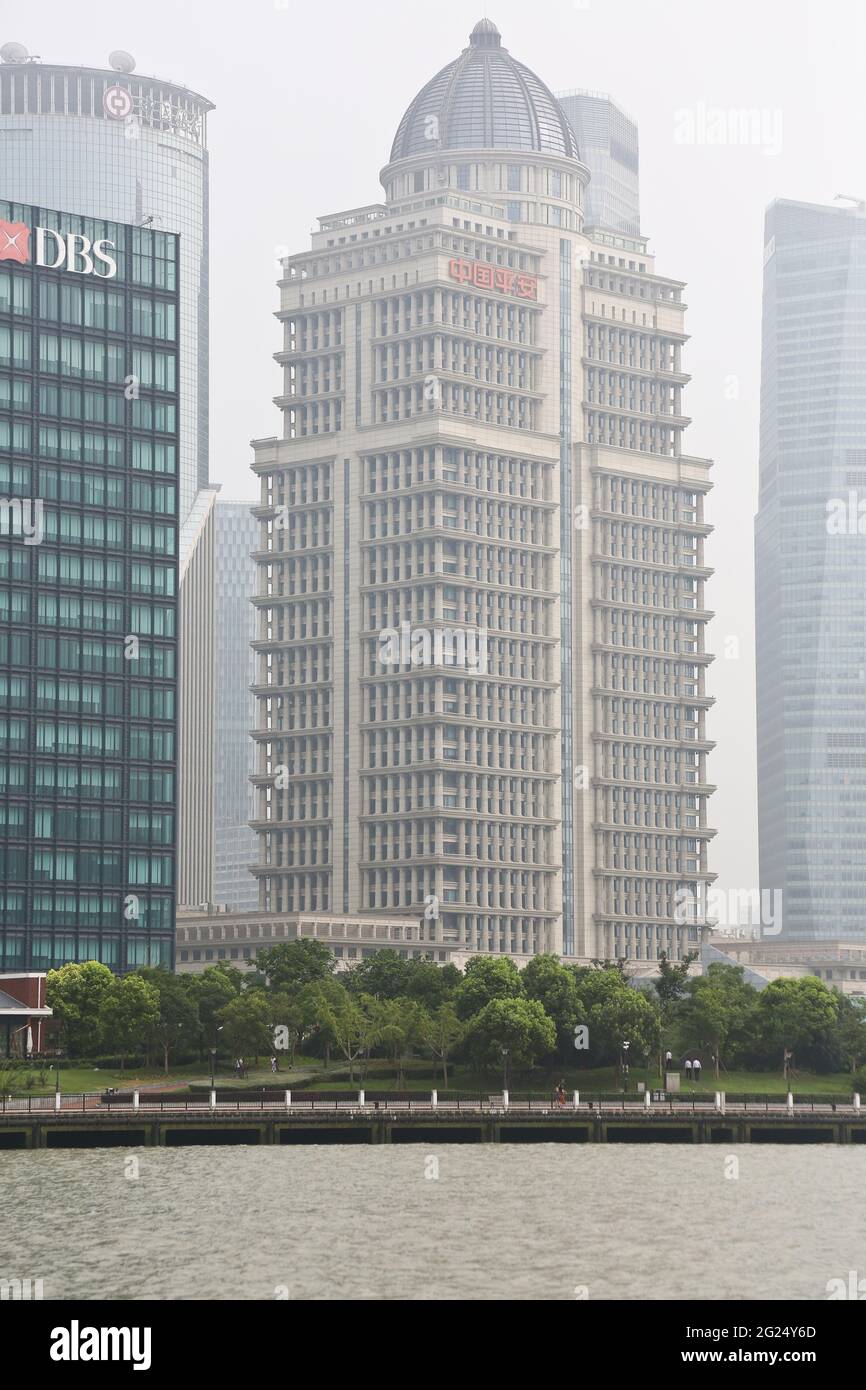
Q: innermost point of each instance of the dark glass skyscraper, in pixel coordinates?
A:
(114, 143)
(89, 458)
(811, 570)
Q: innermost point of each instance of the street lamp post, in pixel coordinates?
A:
(504, 1070)
(624, 1065)
(213, 1053)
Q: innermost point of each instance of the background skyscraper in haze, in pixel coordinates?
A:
(236, 536)
(608, 142)
(810, 553)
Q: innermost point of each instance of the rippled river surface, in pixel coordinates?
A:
(528, 1221)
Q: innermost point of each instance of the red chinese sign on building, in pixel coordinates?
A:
(493, 277)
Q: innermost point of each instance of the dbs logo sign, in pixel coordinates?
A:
(14, 242)
(70, 251)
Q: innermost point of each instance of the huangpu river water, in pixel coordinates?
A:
(528, 1221)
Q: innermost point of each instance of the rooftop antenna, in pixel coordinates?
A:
(16, 53)
(121, 61)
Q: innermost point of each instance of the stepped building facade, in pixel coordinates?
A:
(480, 600)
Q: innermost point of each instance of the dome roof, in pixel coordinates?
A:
(485, 100)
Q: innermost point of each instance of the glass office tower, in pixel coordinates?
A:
(811, 570)
(115, 144)
(608, 142)
(89, 463)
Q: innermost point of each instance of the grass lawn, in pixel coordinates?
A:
(382, 1076)
(88, 1078)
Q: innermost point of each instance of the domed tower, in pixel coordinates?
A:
(478, 506)
(486, 124)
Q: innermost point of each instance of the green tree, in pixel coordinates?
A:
(293, 964)
(618, 963)
(216, 986)
(798, 1016)
(431, 984)
(382, 975)
(178, 1020)
(512, 1031)
(594, 986)
(77, 994)
(717, 1007)
(130, 1012)
(397, 1025)
(442, 1033)
(553, 984)
(673, 979)
(350, 1026)
(324, 996)
(670, 986)
(487, 978)
(851, 1030)
(298, 1014)
(617, 1013)
(246, 1024)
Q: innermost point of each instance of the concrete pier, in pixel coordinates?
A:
(426, 1121)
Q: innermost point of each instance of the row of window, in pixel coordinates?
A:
(52, 952)
(73, 738)
(96, 866)
(88, 782)
(77, 446)
(86, 823)
(79, 306)
(88, 614)
(95, 698)
(141, 660)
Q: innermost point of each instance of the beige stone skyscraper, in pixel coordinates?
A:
(480, 598)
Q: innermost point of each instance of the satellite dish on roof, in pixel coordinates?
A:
(13, 53)
(121, 61)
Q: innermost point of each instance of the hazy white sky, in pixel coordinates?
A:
(308, 97)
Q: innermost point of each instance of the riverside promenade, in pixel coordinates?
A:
(133, 1120)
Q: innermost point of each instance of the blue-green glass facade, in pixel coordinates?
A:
(89, 418)
(811, 571)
